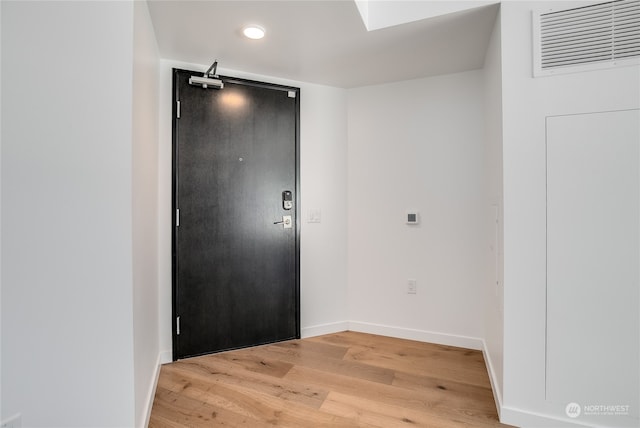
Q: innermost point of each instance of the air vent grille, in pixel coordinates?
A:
(592, 34)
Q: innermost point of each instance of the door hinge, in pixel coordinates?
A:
(177, 326)
(178, 109)
(177, 217)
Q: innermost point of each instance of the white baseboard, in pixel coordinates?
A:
(152, 391)
(495, 386)
(419, 335)
(527, 419)
(319, 330)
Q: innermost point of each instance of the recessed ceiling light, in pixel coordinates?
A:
(253, 32)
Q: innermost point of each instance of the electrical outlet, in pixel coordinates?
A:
(13, 422)
(412, 286)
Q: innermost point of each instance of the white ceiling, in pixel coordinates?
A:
(322, 42)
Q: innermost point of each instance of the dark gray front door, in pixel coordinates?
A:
(235, 262)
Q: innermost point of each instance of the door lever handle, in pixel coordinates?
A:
(285, 222)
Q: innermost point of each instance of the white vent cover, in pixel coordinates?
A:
(595, 36)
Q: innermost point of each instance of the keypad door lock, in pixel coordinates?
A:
(287, 200)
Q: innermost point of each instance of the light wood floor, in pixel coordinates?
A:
(339, 380)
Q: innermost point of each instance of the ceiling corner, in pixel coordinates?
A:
(363, 9)
(389, 13)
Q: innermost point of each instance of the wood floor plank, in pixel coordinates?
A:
(341, 380)
(300, 355)
(222, 404)
(171, 409)
(383, 415)
(443, 365)
(394, 345)
(413, 357)
(323, 349)
(248, 359)
(239, 380)
(434, 401)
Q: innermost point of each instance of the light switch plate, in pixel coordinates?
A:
(314, 215)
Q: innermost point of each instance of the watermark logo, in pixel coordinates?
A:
(606, 409)
(573, 410)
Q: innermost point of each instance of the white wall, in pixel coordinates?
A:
(417, 145)
(146, 335)
(526, 103)
(323, 185)
(493, 286)
(67, 337)
(1, 413)
(323, 165)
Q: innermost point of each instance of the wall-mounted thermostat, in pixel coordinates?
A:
(412, 217)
